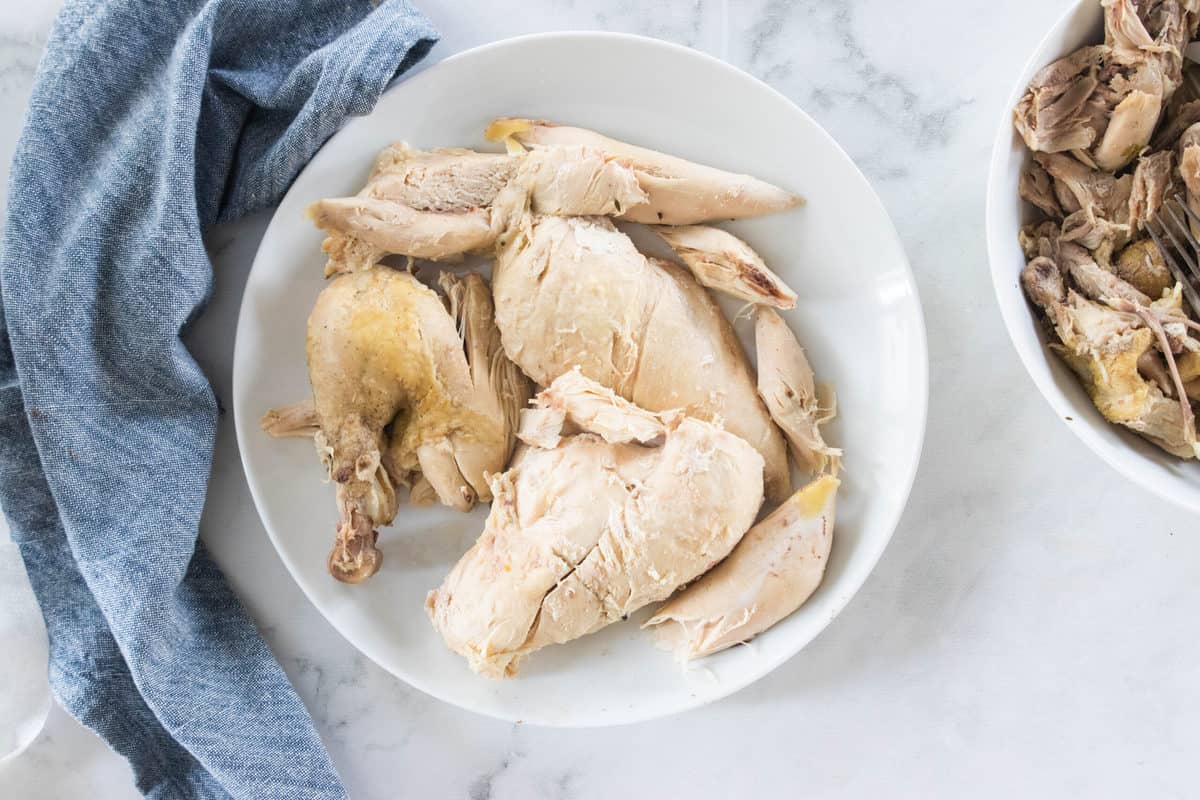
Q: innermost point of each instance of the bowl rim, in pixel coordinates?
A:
(1125, 460)
(853, 582)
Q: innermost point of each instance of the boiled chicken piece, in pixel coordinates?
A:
(441, 204)
(362, 230)
(598, 526)
(1098, 103)
(403, 387)
(1189, 169)
(1158, 30)
(442, 179)
(1037, 187)
(1104, 285)
(1141, 265)
(567, 180)
(723, 262)
(1152, 185)
(787, 386)
(1096, 203)
(1104, 347)
(680, 192)
(774, 569)
(575, 292)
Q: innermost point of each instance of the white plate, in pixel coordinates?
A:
(1132, 456)
(859, 316)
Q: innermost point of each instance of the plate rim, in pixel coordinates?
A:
(243, 427)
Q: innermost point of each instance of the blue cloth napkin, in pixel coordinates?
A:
(150, 120)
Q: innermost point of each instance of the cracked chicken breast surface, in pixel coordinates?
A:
(613, 517)
(575, 292)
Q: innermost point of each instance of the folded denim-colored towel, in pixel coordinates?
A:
(150, 120)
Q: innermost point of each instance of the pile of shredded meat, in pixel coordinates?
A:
(1115, 133)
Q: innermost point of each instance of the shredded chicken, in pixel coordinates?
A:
(1103, 171)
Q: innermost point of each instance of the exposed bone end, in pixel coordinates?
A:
(1043, 283)
(354, 557)
(723, 262)
(295, 420)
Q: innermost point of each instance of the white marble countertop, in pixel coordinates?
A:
(1029, 630)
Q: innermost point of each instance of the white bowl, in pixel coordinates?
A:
(858, 315)
(1129, 454)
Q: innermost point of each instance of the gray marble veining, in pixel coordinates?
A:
(1024, 633)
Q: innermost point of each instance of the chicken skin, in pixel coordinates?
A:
(399, 393)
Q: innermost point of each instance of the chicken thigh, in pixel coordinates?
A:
(403, 387)
(607, 521)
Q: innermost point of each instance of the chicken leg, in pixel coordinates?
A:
(402, 390)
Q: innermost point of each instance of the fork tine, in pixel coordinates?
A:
(1189, 291)
(1193, 216)
(1186, 251)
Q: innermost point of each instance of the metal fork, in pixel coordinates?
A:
(1184, 244)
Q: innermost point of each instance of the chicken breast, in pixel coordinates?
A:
(774, 569)
(680, 192)
(575, 292)
(596, 527)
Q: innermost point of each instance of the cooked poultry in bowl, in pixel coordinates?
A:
(1102, 148)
